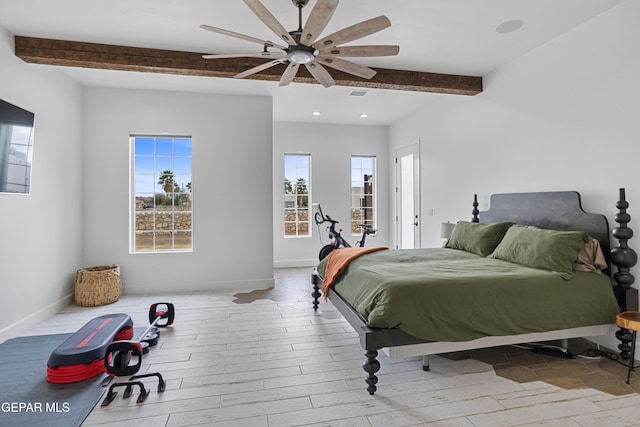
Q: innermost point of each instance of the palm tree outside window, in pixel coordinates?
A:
(297, 173)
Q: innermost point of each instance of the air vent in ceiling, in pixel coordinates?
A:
(358, 92)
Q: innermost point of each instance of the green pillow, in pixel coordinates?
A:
(479, 239)
(551, 250)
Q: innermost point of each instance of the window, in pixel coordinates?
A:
(296, 195)
(16, 149)
(162, 202)
(16, 154)
(363, 201)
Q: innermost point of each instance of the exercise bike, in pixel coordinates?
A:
(337, 241)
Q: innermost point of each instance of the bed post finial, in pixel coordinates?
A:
(624, 257)
(475, 210)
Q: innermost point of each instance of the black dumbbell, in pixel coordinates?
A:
(119, 353)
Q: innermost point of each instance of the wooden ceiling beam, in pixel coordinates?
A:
(124, 58)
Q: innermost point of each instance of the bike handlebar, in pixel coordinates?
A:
(367, 227)
(324, 218)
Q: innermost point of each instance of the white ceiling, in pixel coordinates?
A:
(442, 36)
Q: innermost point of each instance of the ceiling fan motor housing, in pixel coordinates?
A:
(300, 3)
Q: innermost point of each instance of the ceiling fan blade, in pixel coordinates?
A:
(354, 32)
(369, 50)
(240, 36)
(289, 74)
(259, 68)
(318, 20)
(320, 74)
(244, 55)
(269, 20)
(347, 66)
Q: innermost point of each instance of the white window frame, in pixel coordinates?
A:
(293, 197)
(356, 176)
(155, 164)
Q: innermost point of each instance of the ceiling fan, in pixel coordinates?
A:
(304, 48)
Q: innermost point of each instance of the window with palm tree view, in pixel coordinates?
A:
(363, 202)
(162, 199)
(296, 195)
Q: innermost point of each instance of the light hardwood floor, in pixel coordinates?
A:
(267, 359)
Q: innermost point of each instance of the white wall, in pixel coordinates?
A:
(331, 148)
(562, 117)
(40, 243)
(232, 212)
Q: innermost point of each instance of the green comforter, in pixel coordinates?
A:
(451, 295)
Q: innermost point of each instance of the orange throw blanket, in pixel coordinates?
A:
(338, 261)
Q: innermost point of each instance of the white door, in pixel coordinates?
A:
(408, 197)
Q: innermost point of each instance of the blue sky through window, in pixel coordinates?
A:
(296, 166)
(155, 155)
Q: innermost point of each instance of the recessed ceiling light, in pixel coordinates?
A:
(509, 26)
(316, 113)
(364, 116)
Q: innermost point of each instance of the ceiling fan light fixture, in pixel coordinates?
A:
(298, 56)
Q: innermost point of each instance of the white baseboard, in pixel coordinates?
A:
(223, 286)
(16, 328)
(295, 263)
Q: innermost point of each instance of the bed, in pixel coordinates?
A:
(486, 288)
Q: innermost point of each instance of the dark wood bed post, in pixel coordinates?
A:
(371, 366)
(316, 291)
(623, 257)
(475, 210)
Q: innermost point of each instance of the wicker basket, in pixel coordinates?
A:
(98, 285)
